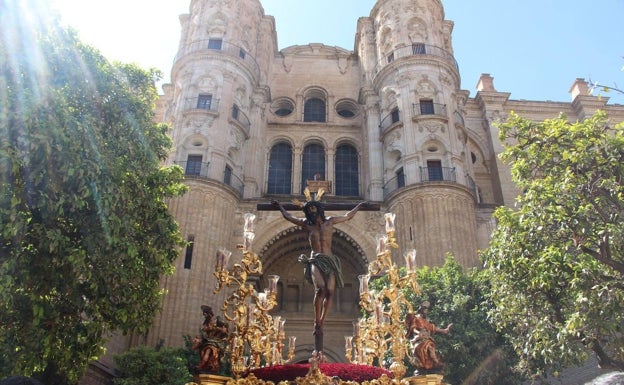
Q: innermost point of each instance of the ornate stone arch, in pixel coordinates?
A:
(315, 92)
(314, 103)
(434, 148)
(279, 256)
(316, 139)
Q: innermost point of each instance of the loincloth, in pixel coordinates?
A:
(328, 264)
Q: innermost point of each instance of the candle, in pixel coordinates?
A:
(273, 283)
(389, 217)
(291, 342)
(249, 223)
(364, 283)
(348, 342)
(410, 260)
(356, 328)
(223, 257)
(378, 313)
(251, 318)
(276, 323)
(275, 351)
(249, 237)
(381, 241)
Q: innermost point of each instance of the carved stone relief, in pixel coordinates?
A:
(342, 64)
(207, 83)
(417, 30)
(431, 127)
(236, 140)
(389, 97)
(393, 142)
(425, 88)
(287, 63)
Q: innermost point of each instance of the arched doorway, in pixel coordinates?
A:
(295, 295)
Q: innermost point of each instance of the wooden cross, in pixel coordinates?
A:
(330, 206)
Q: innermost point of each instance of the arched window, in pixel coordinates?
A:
(346, 170)
(314, 110)
(280, 169)
(313, 163)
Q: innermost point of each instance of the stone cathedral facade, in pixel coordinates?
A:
(386, 122)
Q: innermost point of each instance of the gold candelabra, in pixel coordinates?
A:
(257, 338)
(384, 330)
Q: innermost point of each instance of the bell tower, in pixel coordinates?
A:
(416, 108)
(214, 104)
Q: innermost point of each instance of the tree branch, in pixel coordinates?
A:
(601, 257)
(604, 360)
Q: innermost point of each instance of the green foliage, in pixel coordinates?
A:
(85, 233)
(556, 262)
(146, 366)
(190, 356)
(474, 353)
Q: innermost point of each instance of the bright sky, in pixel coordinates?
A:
(534, 49)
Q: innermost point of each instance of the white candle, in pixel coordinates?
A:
(356, 328)
(223, 258)
(249, 237)
(273, 279)
(378, 313)
(410, 260)
(276, 323)
(249, 222)
(381, 241)
(389, 217)
(364, 283)
(291, 342)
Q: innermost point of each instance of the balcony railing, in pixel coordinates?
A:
(241, 118)
(417, 49)
(473, 187)
(389, 120)
(429, 175)
(199, 170)
(195, 169)
(234, 182)
(201, 104)
(393, 184)
(437, 174)
(429, 109)
(224, 47)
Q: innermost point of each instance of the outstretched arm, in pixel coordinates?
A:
(446, 330)
(287, 215)
(350, 214)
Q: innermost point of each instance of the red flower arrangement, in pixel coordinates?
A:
(346, 372)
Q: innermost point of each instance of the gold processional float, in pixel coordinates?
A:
(258, 338)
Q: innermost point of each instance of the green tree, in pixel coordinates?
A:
(555, 262)
(144, 366)
(473, 352)
(85, 233)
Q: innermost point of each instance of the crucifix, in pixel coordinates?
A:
(321, 267)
